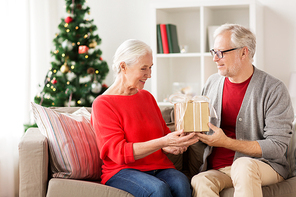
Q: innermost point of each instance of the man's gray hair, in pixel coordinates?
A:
(240, 37)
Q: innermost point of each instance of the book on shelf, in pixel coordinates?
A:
(159, 41)
(164, 38)
(172, 38)
(167, 39)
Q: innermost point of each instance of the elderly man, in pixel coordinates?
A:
(247, 143)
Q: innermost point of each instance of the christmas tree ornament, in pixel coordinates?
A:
(68, 19)
(67, 44)
(90, 70)
(83, 49)
(93, 44)
(65, 68)
(96, 87)
(54, 81)
(91, 51)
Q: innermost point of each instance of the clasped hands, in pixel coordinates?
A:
(179, 141)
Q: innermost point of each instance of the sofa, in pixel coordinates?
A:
(36, 179)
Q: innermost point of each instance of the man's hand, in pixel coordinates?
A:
(218, 139)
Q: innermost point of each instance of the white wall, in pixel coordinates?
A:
(280, 38)
(118, 20)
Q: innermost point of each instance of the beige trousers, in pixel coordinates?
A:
(246, 175)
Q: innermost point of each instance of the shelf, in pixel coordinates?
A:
(165, 104)
(178, 55)
(192, 19)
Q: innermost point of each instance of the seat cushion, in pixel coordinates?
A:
(73, 188)
(286, 188)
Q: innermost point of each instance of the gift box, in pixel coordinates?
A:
(192, 115)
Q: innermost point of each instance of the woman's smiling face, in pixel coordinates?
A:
(138, 73)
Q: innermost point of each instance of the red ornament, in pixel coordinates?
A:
(101, 58)
(54, 81)
(68, 19)
(104, 85)
(83, 49)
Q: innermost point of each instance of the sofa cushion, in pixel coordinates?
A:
(74, 188)
(72, 142)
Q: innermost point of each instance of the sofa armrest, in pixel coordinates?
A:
(33, 164)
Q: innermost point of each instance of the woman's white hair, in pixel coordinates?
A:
(240, 37)
(129, 52)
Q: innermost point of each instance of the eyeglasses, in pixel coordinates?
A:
(220, 53)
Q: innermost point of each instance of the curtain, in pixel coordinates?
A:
(26, 34)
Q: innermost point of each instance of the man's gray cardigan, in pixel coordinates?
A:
(266, 115)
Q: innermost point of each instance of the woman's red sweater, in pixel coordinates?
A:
(119, 121)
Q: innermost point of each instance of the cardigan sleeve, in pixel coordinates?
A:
(278, 122)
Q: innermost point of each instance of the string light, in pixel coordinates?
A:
(85, 36)
(79, 101)
(54, 71)
(68, 30)
(72, 67)
(86, 56)
(63, 55)
(78, 43)
(97, 72)
(76, 27)
(66, 24)
(68, 82)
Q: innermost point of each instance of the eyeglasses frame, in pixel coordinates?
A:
(212, 50)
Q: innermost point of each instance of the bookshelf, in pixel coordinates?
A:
(192, 19)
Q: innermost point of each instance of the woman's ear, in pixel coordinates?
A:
(123, 67)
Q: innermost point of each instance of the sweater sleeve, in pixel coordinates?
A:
(110, 135)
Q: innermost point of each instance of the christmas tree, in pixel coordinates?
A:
(78, 70)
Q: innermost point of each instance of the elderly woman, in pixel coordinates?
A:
(131, 133)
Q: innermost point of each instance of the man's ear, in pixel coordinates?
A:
(245, 53)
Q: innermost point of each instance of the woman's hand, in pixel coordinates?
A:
(180, 139)
(175, 150)
(172, 143)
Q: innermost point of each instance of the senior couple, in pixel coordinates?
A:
(245, 150)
